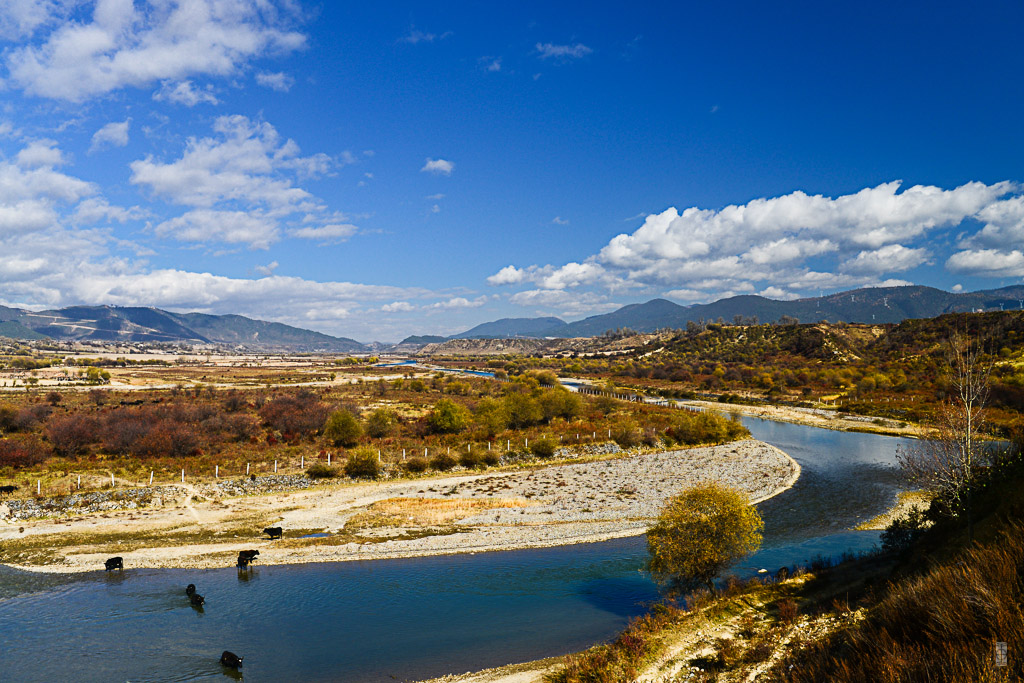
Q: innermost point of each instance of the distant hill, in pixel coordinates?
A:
(866, 305)
(515, 327)
(12, 329)
(140, 324)
(420, 339)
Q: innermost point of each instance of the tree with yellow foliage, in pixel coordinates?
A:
(700, 532)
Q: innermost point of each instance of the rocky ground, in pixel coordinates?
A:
(205, 526)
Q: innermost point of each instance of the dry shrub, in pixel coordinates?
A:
(416, 464)
(362, 463)
(442, 462)
(299, 414)
(71, 434)
(788, 611)
(23, 452)
(939, 627)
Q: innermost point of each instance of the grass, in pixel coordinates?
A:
(427, 512)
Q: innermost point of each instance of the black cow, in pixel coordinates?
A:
(114, 563)
(247, 557)
(230, 659)
(274, 532)
(8, 489)
(196, 599)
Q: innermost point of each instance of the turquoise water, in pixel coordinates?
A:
(412, 618)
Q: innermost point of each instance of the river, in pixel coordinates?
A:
(409, 619)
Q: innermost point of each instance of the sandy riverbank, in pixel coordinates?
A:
(818, 417)
(472, 512)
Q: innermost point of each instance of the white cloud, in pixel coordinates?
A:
(509, 275)
(957, 288)
(492, 64)
(398, 307)
(125, 45)
(183, 92)
(892, 258)
(572, 275)
(41, 154)
(280, 81)
(549, 50)
(566, 303)
(558, 220)
(232, 227)
(416, 36)
(438, 167)
(20, 18)
(268, 269)
(988, 262)
(114, 134)
(332, 232)
(460, 302)
(436, 208)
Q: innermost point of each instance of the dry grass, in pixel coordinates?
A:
(427, 512)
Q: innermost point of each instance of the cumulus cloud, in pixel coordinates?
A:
(460, 302)
(184, 92)
(398, 307)
(793, 244)
(129, 44)
(280, 81)
(438, 167)
(247, 168)
(564, 52)
(114, 134)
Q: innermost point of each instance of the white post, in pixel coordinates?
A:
(302, 462)
(247, 469)
(527, 442)
(39, 487)
(183, 475)
(609, 433)
(111, 480)
(508, 445)
(594, 436)
(488, 445)
(328, 459)
(79, 481)
(216, 471)
(403, 454)
(378, 455)
(469, 448)
(275, 467)
(150, 478)
(424, 452)
(449, 450)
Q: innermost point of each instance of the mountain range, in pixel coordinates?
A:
(867, 305)
(138, 324)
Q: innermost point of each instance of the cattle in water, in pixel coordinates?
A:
(196, 599)
(274, 532)
(114, 563)
(8, 489)
(230, 659)
(247, 557)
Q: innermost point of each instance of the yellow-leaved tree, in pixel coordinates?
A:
(699, 533)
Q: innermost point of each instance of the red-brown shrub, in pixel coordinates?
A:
(21, 452)
(71, 434)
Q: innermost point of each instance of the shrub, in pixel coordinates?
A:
(491, 416)
(381, 423)
(471, 460)
(442, 462)
(416, 464)
(362, 464)
(54, 397)
(321, 471)
(699, 533)
(71, 434)
(543, 448)
(522, 410)
(21, 452)
(301, 414)
(903, 531)
(448, 417)
(626, 436)
(560, 402)
(491, 458)
(343, 429)
(168, 439)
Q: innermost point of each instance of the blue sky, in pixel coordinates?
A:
(387, 169)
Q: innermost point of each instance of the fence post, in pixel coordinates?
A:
(150, 479)
(216, 471)
(79, 481)
(302, 462)
(182, 475)
(378, 455)
(275, 467)
(39, 488)
(247, 469)
(508, 445)
(403, 454)
(111, 480)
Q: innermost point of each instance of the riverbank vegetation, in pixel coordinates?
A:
(931, 605)
(365, 429)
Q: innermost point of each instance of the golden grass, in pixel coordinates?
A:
(430, 511)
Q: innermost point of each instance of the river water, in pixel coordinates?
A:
(408, 619)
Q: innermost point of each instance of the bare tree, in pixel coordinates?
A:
(946, 460)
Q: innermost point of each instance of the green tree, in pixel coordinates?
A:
(491, 416)
(448, 417)
(700, 532)
(522, 410)
(362, 463)
(381, 423)
(343, 429)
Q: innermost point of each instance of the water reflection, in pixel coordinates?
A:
(409, 618)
